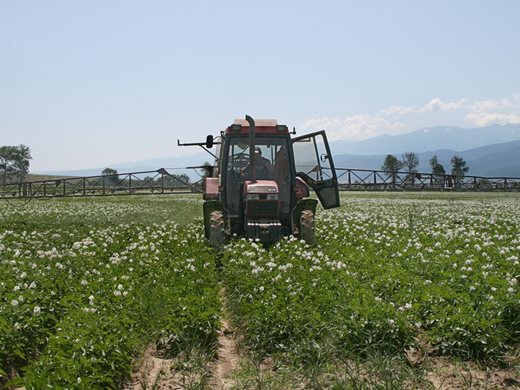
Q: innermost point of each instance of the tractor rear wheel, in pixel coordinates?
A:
(217, 236)
(307, 231)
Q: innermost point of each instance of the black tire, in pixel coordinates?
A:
(307, 230)
(217, 236)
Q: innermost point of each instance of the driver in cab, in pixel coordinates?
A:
(263, 167)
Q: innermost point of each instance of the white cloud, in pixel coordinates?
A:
(354, 128)
(485, 105)
(437, 104)
(494, 111)
(433, 105)
(322, 123)
(397, 110)
(360, 127)
(482, 119)
(435, 112)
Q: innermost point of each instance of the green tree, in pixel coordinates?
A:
(169, 180)
(110, 177)
(458, 169)
(6, 160)
(438, 170)
(392, 165)
(207, 169)
(22, 157)
(14, 161)
(410, 162)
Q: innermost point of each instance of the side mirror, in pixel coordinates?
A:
(209, 141)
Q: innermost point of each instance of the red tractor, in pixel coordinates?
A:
(259, 186)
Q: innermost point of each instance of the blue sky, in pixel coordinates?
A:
(92, 83)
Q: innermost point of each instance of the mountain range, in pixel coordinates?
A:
(499, 160)
(431, 138)
(488, 151)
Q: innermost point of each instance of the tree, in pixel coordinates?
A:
(410, 162)
(169, 180)
(207, 170)
(392, 165)
(6, 159)
(437, 170)
(458, 169)
(14, 160)
(21, 162)
(111, 177)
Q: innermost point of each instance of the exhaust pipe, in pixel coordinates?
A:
(252, 168)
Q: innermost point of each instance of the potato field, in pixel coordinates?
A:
(414, 290)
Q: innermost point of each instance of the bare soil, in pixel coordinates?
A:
(157, 373)
(446, 375)
(227, 359)
(153, 373)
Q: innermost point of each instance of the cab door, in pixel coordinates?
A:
(314, 164)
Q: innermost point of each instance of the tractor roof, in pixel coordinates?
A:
(262, 126)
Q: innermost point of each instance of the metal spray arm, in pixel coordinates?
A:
(201, 144)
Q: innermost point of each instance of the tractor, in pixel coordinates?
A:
(259, 185)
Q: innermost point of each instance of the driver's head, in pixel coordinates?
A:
(258, 152)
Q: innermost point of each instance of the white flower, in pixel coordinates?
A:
(14, 302)
(37, 310)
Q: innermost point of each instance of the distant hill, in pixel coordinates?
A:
(432, 138)
(488, 151)
(32, 177)
(176, 162)
(492, 160)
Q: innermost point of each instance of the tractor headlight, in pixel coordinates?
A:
(272, 196)
(253, 197)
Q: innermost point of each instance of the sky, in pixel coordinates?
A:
(91, 83)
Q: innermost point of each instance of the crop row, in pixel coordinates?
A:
(80, 297)
(385, 275)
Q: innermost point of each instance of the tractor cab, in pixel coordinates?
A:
(260, 183)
